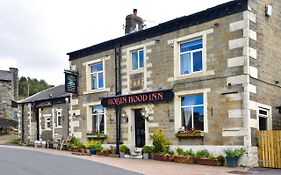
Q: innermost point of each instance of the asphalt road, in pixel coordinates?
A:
(23, 162)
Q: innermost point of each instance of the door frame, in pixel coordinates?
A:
(131, 126)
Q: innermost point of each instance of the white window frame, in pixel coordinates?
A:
(57, 118)
(192, 107)
(176, 46)
(177, 106)
(97, 75)
(88, 107)
(48, 120)
(138, 66)
(268, 116)
(191, 58)
(97, 115)
(88, 65)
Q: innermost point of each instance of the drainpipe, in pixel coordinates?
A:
(22, 122)
(118, 91)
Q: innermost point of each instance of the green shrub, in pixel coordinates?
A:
(147, 149)
(180, 151)
(159, 142)
(221, 159)
(92, 144)
(238, 152)
(189, 154)
(123, 148)
(75, 143)
(203, 154)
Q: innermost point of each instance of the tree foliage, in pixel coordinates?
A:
(29, 86)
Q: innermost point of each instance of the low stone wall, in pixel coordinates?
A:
(6, 124)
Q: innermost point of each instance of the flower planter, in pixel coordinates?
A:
(182, 159)
(162, 157)
(189, 135)
(104, 153)
(211, 162)
(232, 161)
(93, 151)
(146, 156)
(122, 155)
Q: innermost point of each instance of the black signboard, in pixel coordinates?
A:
(71, 81)
(147, 97)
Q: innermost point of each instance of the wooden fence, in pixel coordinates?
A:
(269, 147)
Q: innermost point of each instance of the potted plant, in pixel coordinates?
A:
(99, 149)
(123, 150)
(232, 156)
(147, 150)
(161, 147)
(182, 156)
(204, 157)
(91, 145)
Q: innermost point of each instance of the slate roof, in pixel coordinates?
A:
(210, 14)
(6, 75)
(56, 92)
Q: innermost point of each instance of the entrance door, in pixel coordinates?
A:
(139, 129)
(263, 118)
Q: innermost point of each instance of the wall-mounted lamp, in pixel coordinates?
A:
(66, 99)
(143, 114)
(124, 115)
(279, 109)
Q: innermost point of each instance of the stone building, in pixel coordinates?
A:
(9, 89)
(44, 115)
(217, 71)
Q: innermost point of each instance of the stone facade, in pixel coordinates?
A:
(239, 78)
(8, 91)
(39, 115)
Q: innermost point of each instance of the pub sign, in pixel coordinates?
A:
(71, 81)
(147, 97)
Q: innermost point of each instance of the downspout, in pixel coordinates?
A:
(118, 91)
(22, 123)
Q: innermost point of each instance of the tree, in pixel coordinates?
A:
(28, 86)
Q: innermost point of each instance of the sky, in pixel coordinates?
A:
(35, 35)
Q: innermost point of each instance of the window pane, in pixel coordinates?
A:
(135, 60)
(185, 64)
(186, 118)
(192, 100)
(101, 124)
(94, 129)
(262, 123)
(59, 120)
(197, 61)
(198, 114)
(191, 45)
(97, 67)
(97, 109)
(100, 80)
(94, 81)
(141, 58)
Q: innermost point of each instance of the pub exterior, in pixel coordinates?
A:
(212, 71)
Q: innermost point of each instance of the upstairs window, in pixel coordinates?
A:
(192, 112)
(137, 59)
(191, 57)
(97, 119)
(97, 76)
(48, 123)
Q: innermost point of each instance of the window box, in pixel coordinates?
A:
(161, 157)
(189, 135)
(95, 136)
(206, 161)
(183, 159)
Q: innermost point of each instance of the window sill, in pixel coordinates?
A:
(95, 136)
(58, 127)
(193, 75)
(48, 129)
(97, 91)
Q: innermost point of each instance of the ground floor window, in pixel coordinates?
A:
(263, 118)
(97, 119)
(48, 122)
(192, 112)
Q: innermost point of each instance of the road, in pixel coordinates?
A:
(24, 162)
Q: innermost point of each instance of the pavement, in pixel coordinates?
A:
(147, 167)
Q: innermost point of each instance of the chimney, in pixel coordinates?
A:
(133, 22)
(15, 82)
